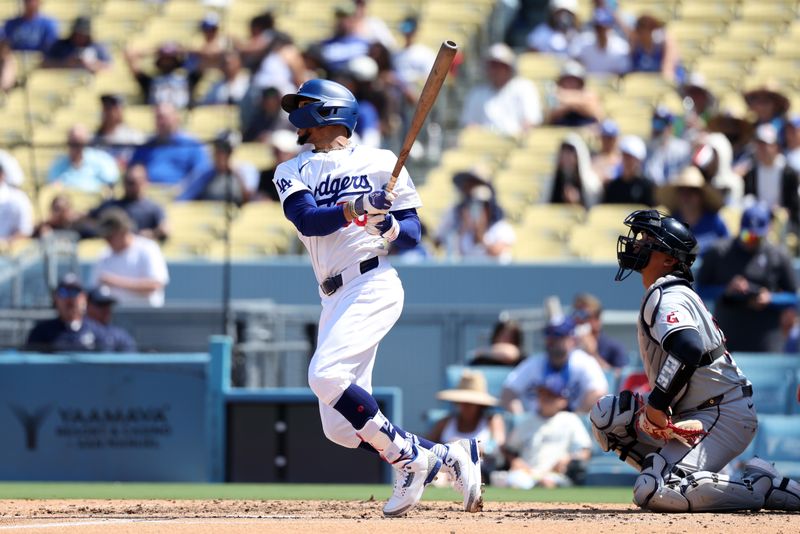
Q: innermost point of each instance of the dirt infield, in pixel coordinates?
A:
(339, 517)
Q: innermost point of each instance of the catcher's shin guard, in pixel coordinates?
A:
(702, 491)
(650, 491)
(780, 493)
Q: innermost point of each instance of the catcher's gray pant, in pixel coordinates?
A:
(673, 475)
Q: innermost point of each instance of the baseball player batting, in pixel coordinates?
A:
(335, 197)
(692, 376)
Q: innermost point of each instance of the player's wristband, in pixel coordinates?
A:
(350, 209)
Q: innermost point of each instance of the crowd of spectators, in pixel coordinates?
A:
(696, 160)
(533, 433)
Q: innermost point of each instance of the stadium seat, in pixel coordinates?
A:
(480, 139)
(706, 11)
(205, 122)
(555, 219)
(773, 12)
(89, 250)
(778, 441)
(736, 48)
(644, 86)
(606, 469)
(773, 388)
(535, 66)
(129, 11)
(539, 248)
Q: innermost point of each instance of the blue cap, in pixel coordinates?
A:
(561, 327)
(609, 128)
(756, 219)
(409, 25)
(210, 22)
(603, 17)
(555, 382)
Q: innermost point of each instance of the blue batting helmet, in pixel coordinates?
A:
(328, 103)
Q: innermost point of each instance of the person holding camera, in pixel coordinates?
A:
(476, 227)
(752, 284)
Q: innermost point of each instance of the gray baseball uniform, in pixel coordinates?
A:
(717, 394)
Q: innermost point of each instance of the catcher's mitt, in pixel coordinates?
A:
(688, 432)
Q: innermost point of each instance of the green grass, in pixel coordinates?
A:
(68, 490)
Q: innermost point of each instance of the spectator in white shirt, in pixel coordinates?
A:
(233, 86)
(601, 51)
(373, 29)
(508, 104)
(547, 448)
(11, 169)
(607, 162)
(557, 34)
(16, 213)
(476, 228)
(667, 155)
(584, 380)
(133, 266)
(414, 61)
(771, 180)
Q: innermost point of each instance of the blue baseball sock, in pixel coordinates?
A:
(436, 448)
(376, 432)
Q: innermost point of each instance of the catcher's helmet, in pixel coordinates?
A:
(669, 236)
(327, 103)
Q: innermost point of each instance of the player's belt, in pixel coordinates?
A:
(330, 285)
(747, 391)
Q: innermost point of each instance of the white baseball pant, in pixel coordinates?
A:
(353, 322)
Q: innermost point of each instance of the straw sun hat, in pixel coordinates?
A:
(691, 177)
(471, 389)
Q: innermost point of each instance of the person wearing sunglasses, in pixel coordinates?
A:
(70, 330)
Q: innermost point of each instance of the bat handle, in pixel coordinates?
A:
(391, 184)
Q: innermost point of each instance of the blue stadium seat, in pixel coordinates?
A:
(612, 377)
(773, 389)
(605, 468)
(608, 470)
(495, 376)
(753, 362)
(778, 441)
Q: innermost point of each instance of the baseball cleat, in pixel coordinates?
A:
(784, 493)
(411, 477)
(463, 462)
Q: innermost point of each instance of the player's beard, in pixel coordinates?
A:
(303, 139)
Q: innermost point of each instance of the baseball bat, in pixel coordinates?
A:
(426, 100)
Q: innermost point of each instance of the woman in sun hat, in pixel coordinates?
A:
(471, 418)
(695, 203)
(769, 104)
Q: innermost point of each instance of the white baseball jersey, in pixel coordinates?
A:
(671, 305)
(334, 178)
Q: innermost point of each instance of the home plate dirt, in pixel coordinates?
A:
(340, 517)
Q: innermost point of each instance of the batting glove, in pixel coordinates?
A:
(385, 226)
(373, 203)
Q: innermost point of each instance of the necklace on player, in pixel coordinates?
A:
(331, 148)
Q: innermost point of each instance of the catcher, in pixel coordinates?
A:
(693, 377)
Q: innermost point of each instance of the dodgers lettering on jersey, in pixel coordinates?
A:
(670, 306)
(334, 178)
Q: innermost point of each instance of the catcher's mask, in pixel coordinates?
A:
(666, 234)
